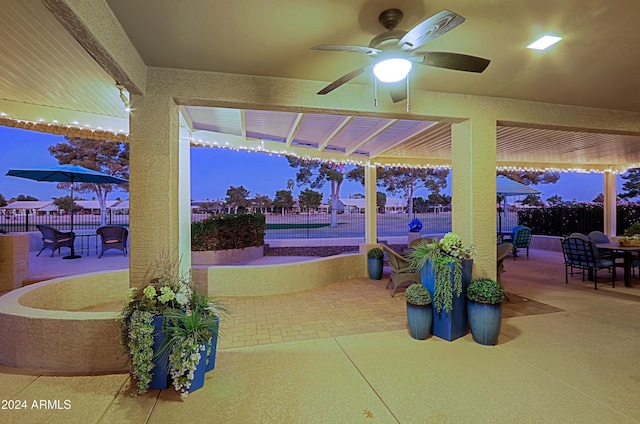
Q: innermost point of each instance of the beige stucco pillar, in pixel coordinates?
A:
(610, 204)
(473, 179)
(159, 188)
(371, 216)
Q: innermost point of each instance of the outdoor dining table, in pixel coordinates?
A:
(86, 235)
(628, 257)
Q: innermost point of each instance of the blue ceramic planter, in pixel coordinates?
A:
(160, 378)
(452, 325)
(419, 318)
(374, 265)
(198, 374)
(485, 321)
(211, 358)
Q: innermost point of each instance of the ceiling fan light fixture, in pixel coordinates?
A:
(392, 70)
(544, 42)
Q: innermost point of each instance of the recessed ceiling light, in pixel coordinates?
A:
(544, 42)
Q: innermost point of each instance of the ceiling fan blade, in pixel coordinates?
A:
(398, 90)
(433, 27)
(457, 61)
(345, 48)
(344, 79)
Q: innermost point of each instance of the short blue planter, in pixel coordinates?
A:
(485, 320)
(160, 378)
(419, 318)
(452, 325)
(213, 343)
(375, 265)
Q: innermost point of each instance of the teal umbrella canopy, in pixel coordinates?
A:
(66, 174)
(507, 187)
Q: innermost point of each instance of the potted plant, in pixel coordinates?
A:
(375, 263)
(189, 334)
(419, 314)
(150, 317)
(445, 270)
(484, 297)
(631, 236)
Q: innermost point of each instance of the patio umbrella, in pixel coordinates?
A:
(67, 174)
(507, 187)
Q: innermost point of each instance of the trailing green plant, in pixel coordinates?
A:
(232, 231)
(485, 290)
(446, 255)
(375, 253)
(417, 294)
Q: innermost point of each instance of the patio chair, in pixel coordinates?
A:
(401, 271)
(600, 237)
(54, 239)
(581, 253)
(113, 237)
(520, 239)
(503, 251)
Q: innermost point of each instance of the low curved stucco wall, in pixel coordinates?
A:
(40, 330)
(262, 280)
(225, 257)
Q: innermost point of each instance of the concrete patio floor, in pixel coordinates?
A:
(342, 354)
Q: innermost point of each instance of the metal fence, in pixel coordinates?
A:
(318, 225)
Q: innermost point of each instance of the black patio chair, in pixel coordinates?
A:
(581, 253)
(54, 239)
(113, 237)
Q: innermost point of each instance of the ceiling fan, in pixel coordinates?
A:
(394, 51)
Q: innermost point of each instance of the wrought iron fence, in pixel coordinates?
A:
(555, 221)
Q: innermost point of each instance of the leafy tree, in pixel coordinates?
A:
(631, 188)
(315, 174)
(532, 177)
(283, 200)
(310, 199)
(237, 197)
(65, 204)
(3, 201)
(555, 200)
(381, 201)
(405, 181)
(23, 198)
(532, 200)
(104, 156)
(439, 199)
(357, 196)
(261, 202)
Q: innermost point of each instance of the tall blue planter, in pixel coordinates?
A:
(213, 343)
(452, 325)
(419, 318)
(485, 320)
(375, 265)
(160, 378)
(198, 374)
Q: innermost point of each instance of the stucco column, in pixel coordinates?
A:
(371, 215)
(610, 191)
(159, 188)
(473, 179)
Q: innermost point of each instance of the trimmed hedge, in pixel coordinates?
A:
(223, 232)
(578, 218)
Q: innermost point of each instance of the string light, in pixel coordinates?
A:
(54, 127)
(368, 162)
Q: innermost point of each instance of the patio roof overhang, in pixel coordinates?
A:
(65, 63)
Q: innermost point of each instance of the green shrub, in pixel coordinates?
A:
(223, 232)
(375, 253)
(485, 290)
(417, 294)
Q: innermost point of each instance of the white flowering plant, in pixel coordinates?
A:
(172, 296)
(446, 255)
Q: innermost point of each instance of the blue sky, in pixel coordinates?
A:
(213, 170)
